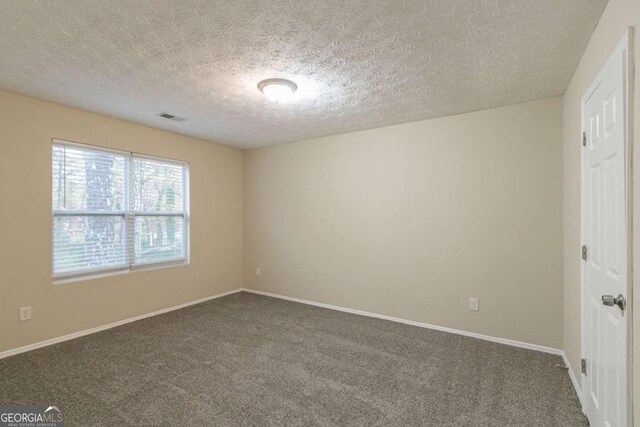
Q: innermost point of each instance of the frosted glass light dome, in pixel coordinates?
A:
(277, 90)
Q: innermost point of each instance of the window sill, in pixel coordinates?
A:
(80, 277)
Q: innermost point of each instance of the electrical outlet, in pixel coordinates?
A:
(25, 313)
(258, 271)
(474, 304)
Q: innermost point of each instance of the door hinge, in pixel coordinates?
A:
(584, 252)
(584, 139)
(584, 366)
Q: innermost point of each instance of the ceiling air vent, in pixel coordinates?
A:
(170, 116)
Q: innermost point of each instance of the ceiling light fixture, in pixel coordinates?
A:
(277, 90)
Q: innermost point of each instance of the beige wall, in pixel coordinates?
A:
(27, 126)
(412, 220)
(618, 15)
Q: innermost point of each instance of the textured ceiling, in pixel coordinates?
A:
(358, 63)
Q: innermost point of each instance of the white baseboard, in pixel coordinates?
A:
(79, 334)
(414, 323)
(574, 380)
(505, 341)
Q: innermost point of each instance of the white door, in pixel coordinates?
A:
(605, 238)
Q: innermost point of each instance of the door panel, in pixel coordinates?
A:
(605, 234)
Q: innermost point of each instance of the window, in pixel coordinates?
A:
(116, 211)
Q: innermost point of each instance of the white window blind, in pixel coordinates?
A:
(116, 211)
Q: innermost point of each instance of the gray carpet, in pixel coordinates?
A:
(251, 360)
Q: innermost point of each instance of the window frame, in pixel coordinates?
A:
(129, 215)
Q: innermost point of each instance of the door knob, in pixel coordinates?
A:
(610, 300)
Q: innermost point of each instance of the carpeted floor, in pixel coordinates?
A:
(251, 360)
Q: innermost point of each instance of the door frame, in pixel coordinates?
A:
(624, 48)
